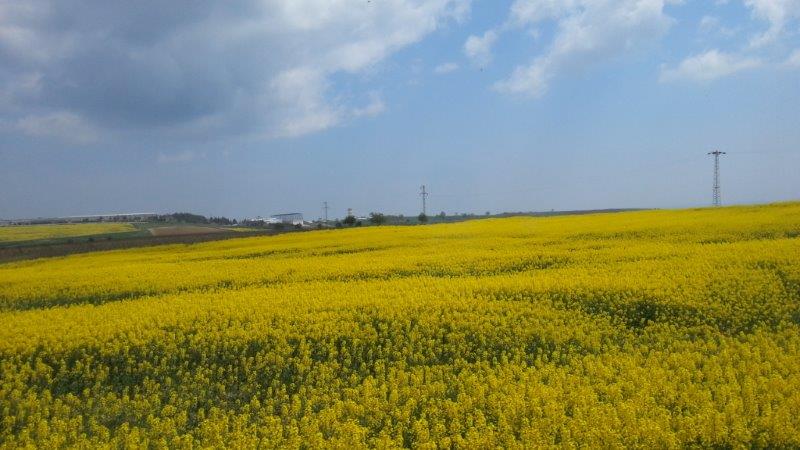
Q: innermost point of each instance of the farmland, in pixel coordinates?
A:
(41, 241)
(650, 329)
(186, 230)
(49, 232)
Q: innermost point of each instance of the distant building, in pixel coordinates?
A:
(261, 221)
(289, 218)
(124, 217)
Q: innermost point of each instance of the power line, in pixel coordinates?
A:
(777, 152)
(598, 177)
(717, 200)
(495, 194)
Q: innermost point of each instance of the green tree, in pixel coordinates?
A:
(422, 218)
(349, 220)
(377, 218)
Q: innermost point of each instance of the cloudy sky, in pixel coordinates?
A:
(252, 107)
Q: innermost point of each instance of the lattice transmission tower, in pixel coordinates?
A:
(424, 194)
(717, 197)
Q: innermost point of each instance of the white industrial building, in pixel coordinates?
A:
(288, 218)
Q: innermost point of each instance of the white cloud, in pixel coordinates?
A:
(61, 125)
(241, 67)
(708, 23)
(779, 13)
(445, 68)
(527, 12)
(479, 48)
(373, 108)
(300, 95)
(587, 32)
(708, 66)
(793, 60)
(531, 80)
(711, 25)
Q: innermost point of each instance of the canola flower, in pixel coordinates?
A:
(35, 232)
(646, 329)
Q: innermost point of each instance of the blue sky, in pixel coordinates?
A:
(254, 107)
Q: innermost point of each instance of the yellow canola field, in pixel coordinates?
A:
(648, 329)
(18, 233)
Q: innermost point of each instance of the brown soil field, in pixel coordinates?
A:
(62, 249)
(185, 230)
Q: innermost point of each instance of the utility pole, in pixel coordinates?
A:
(717, 198)
(424, 194)
(325, 208)
(349, 211)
